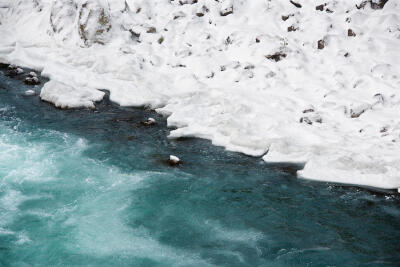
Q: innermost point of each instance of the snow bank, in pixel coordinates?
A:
(300, 81)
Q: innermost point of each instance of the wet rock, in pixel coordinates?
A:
(13, 70)
(149, 122)
(32, 80)
(174, 160)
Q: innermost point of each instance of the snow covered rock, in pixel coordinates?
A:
(148, 122)
(174, 160)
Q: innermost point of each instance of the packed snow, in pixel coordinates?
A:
(315, 82)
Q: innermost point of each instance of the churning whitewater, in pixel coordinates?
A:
(314, 82)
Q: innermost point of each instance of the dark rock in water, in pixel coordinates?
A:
(321, 44)
(277, 56)
(148, 122)
(295, 4)
(32, 80)
(13, 71)
(351, 33)
(174, 161)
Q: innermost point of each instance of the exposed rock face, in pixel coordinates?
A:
(94, 23)
(90, 20)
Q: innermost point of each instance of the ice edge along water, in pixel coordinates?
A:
(265, 78)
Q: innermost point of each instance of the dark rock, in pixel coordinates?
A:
(295, 4)
(148, 122)
(14, 71)
(174, 161)
(292, 29)
(321, 44)
(32, 80)
(199, 14)
(308, 110)
(351, 33)
(320, 7)
(151, 30)
(347, 54)
(305, 120)
(277, 56)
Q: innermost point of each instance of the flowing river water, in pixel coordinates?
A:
(92, 188)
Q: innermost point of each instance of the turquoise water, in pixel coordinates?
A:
(91, 188)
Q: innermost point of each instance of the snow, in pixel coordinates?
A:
(246, 74)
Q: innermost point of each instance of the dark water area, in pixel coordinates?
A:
(93, 188)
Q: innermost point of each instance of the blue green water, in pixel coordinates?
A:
(91, 188)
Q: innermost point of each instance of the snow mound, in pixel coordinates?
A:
(65, 96)
(294, 81)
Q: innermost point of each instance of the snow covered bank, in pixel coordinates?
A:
(304, 81)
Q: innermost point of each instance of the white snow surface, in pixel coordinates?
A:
(210, 73)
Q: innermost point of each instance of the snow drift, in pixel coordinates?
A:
(294, 81)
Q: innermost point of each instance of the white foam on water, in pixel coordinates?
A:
(94, 217)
